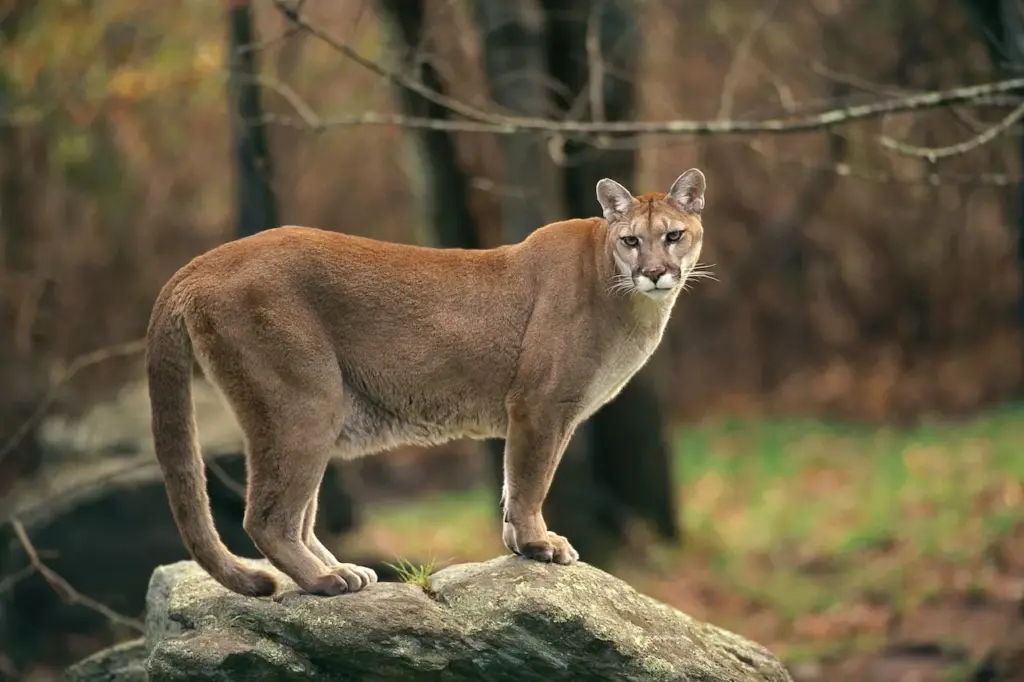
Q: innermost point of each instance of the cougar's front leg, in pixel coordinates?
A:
(533, 448)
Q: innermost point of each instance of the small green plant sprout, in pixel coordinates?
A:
(409, 572)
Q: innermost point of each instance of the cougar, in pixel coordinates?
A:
(325, 344)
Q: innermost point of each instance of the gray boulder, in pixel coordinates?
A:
(125, 662)
(504, 619)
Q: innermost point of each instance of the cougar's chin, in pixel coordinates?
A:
(658, 294)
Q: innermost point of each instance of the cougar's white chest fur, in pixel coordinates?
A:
(622, 361)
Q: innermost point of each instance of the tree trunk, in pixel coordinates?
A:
(339, 511)
(515, 65)
(617, 467)
(22, 160)
(1001, 25)
(447, 187)
(257, 208)
(593, 47)
(1012, 14)
(21, 375)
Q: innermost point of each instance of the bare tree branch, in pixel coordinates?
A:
(885, 178)
(269, 42)
(508, 125)
(224, 477)
(63, 588)
(310, 118)
(856, 81)
(484, 122)
(865, 85)
(10, 581)
(596, 65)
(293, 14)
(933, 154)
(62, 376)
(600, 133)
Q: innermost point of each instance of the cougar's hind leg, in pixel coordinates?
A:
(279, 372)
(281, 488)
(309, 535)
(351, 573)
(283, 477)
(286, 468)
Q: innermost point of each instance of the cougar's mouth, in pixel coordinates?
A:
(655, 289)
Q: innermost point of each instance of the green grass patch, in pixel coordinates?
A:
(414, 574)
(825, 526)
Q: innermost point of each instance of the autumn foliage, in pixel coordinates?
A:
(866, 293)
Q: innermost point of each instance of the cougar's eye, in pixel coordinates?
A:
(631, 241)
(673, 236)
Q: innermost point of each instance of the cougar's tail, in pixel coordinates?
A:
(169, 359)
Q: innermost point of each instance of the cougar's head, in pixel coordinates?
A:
(654, 239)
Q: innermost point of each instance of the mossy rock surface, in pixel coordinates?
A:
(507, 619)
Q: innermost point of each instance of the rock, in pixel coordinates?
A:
(104, 526)
(504, 619)
(95, 508)
(120, 426)
(122, 663)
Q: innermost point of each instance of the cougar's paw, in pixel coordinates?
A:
(565, 553)
(508, 536)
(257, 584)
(355, 577)
(330, 585)
(556, 549)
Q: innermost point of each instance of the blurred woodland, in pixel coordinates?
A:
(863, 225)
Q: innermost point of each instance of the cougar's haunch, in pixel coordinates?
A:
(325, 344)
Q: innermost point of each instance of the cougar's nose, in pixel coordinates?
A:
(655, 273)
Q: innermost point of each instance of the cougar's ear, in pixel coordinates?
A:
(615, 199)
(687, 191)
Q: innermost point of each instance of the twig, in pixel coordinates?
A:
(484, 122)
(64, 589)
(592, 93)
(595, 63)
(841, 169)
(507, 125)
(223, 476)
(933, 154)
(62, 376)
(845, 170)
(309, 117)
(891, 91)
(293, 14)
(11, 580)
(739, 57)
(268, 43)
(782, 91)
(11, 502)
(856, 81)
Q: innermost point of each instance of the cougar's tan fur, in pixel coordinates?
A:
(325, 344)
